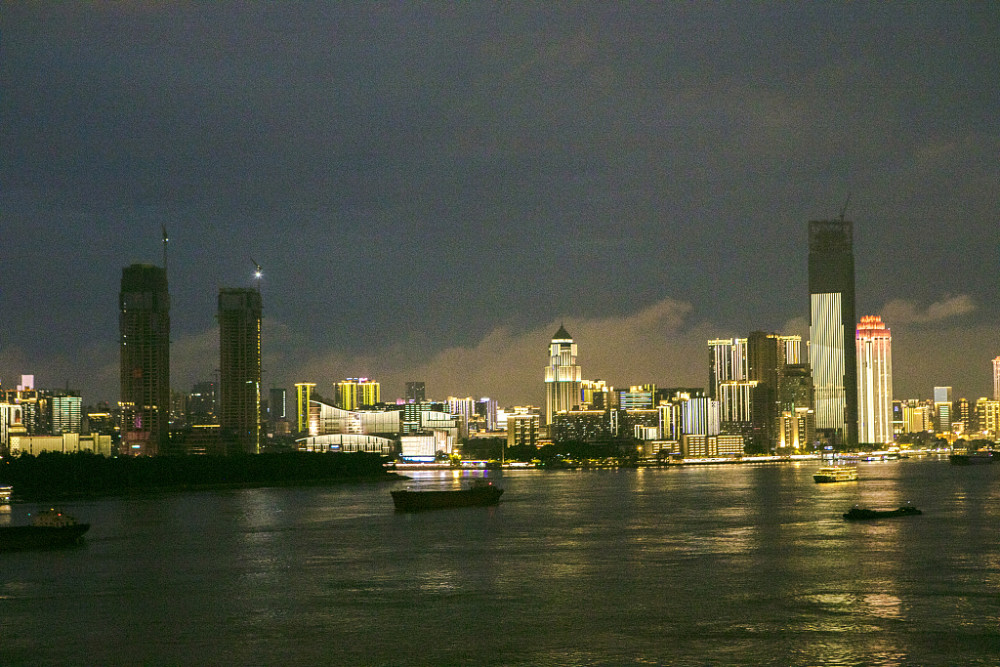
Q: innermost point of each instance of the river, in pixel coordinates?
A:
(701, 565)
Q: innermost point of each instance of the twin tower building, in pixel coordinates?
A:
(846, 409)
(144, 328)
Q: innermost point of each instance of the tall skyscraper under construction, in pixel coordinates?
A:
(832, 352)
(239, 366)
(144, 329)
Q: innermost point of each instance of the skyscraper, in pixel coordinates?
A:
(144, 327)
(239, 366)
(996, 379)
(942, 409)
(874, 352)
(831, 329)
(303, 397)
(562, 376)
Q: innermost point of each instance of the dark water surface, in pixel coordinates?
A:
(706, 565)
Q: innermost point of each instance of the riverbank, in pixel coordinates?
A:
(85, 475)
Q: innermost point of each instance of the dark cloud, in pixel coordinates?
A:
(416, 178)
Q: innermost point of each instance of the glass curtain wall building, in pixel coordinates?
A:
(832, 351)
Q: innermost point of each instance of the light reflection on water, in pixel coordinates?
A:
(742, 565)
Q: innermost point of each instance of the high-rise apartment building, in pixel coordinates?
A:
(562, 376)
(144, 328)
(832, 349)
(240, 312)
(874, 353)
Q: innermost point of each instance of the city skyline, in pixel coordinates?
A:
(432, 192)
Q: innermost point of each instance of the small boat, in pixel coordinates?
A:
(836, 474)
(6, 492)
(479, 493)
(863, 514)
(971, 458)
(50, 528)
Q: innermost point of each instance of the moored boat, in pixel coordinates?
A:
(479, 493)
(863, 514)
(6, 492)
(836, 474)
(50, 528)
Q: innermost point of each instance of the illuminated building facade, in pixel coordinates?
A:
(942, 409)
(874, 354)
(996, 379)
(357, 393)
(727, 362)
(988, 418)
(832, 347)
(917, 419)
(700, 416)
(239, 366)
(66, 414)
(303, 397)
(144, 328)
(562, 376)
(580, 426)
(596, 395)
(523, 426)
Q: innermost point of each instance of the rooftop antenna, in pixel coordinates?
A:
(165, 239)
(843, 211)
(257, 273)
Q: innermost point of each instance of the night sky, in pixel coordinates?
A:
(432, 189)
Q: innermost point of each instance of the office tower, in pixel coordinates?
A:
(700, 416)
(66, 414)
(791, 349)
(637, 397)
(239, 366)
(942, 409)
(144, 327)
(874, 353)
(596, 394)
(727, 362)
(767, 356)
(962, 416)
(832, 348)
(996, 379)
(486, 409)
(357, 393)
(916, 419)
(415, 392)
(562, 376)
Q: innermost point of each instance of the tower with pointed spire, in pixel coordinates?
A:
(562, 376)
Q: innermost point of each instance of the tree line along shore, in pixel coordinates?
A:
(53, 475)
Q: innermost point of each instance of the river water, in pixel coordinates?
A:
(705, 565)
